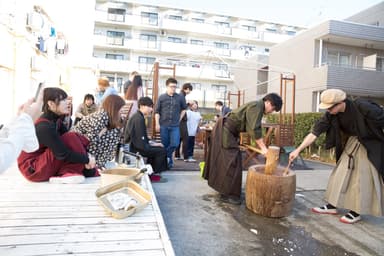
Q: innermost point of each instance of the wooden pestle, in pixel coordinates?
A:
(272, 160)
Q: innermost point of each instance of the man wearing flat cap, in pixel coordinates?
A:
(355, 129)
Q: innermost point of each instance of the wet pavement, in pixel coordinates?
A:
(198, 223)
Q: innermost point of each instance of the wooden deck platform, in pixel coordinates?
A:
(62, 219)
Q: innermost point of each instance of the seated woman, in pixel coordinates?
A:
(135, 134)
(86, 108)
(62, 155)
(103, 129)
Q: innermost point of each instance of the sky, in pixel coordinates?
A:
(304, 13)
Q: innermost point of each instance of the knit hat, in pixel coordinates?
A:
(331, 97)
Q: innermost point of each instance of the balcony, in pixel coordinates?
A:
(359, 81)
(114, 66)
(272, 37)
(124, 66)
(246, 34)
(127, 19)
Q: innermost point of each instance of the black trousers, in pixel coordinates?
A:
(183, 140)
(156, 156)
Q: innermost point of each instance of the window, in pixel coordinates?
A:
(196, 42)
(148, 41)
(173, 61)
(345, 59)
(174, 39)
(219, 66)
(150, 18)
(291, 33)
(175, 17)
(197, 20)
(271, 29)
(115, 38)
(332, 58)
(146, 63)
(195, 64)
(114, 56)
(221, 45)
(196, 86)
(117, 84)
(146, 60)
(249, 28)
(116, 14)
(220, 91)
(335, 57)
(221, 70)
(380, 64)
(222, 24)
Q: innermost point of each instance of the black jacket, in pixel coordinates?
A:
(362, 118)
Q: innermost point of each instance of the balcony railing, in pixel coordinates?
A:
(204, 71)
(351, 66)
(189, 26)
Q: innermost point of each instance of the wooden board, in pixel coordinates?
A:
(62, 219)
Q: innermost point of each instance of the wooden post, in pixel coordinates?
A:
(155, 95)
(155, 90)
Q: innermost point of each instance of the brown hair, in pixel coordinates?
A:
(103, 81)
(131, 93)
(112, 105)
(53, 94)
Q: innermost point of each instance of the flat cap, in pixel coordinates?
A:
(330, 97)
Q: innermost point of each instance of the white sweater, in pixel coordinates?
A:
(19, 135)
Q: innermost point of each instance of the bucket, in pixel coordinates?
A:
(201, 165)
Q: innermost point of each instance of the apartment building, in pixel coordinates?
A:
(31, 52)
(216, 53)
(335, 54)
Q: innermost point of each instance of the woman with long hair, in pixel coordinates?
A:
(133, 93)
(103, 129)
(62, 156)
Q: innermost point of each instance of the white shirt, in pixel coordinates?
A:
(193, 120)
(19, 135)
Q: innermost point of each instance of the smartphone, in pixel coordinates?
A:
(38, 91)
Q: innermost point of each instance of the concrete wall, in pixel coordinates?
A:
(371, 16)
(297, 55)
(300, 55)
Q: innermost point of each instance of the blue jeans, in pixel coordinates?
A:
(170, 137)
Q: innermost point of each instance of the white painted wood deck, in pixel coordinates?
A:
(62, 219)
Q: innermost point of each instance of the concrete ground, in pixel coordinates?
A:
(199, 223)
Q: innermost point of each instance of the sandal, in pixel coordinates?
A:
(325, 209)
(349, 218)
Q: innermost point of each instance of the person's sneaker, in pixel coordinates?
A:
(350, 218)
(179, 158)
(156, 178)
(68, 178)
(230, 199)
(191, 160)
(325, 209)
